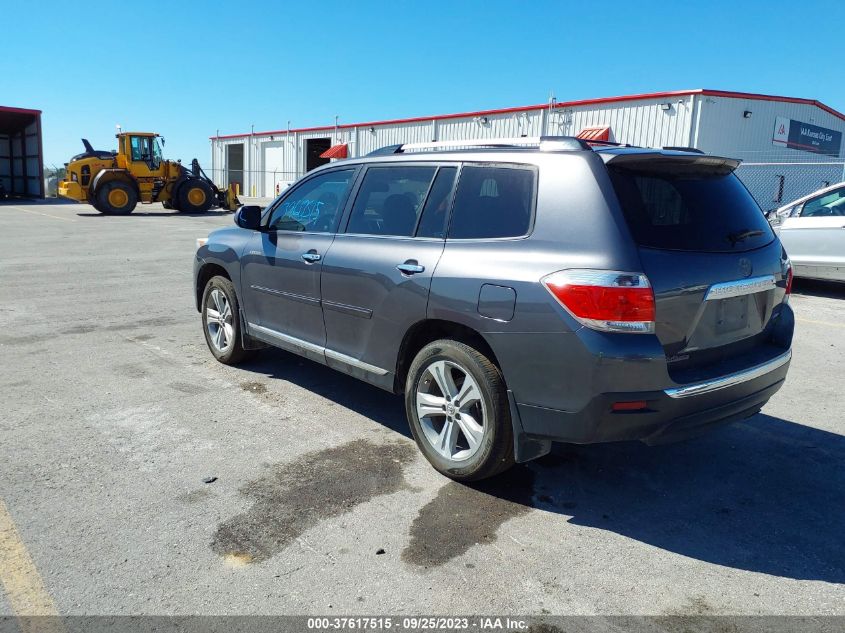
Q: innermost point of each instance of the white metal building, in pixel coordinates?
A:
(793, 145)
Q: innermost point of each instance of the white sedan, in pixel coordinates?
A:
(812, 230)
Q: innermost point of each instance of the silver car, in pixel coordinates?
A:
(812, 230)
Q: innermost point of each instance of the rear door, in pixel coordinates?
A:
(713, 260)
(377, 274)
(814, 238)
(280, 270)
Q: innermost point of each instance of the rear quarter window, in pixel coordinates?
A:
(707, 212)
(493, 201)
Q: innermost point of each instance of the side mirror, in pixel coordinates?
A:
(248, 217)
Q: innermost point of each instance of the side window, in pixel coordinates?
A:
(436, 211)
(390, 200)
(832, 203)
(492, 202)
(315, 205)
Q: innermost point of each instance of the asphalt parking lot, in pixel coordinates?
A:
(112, 413)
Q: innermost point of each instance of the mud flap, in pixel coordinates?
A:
(247, 342)
(525, 447)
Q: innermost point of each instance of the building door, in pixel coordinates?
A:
(313, 148)
(276, 178)
(235, 165)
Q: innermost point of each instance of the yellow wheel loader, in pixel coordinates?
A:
(114, 182)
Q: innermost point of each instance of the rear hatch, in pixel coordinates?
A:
(713, 261)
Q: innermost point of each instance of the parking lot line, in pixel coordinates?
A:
(21, 581)
(46, 215)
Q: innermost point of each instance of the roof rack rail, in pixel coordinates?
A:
(609, 143)
(543, 143)
(679, 148)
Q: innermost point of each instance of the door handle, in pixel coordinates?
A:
(410, 269)
(312, 256)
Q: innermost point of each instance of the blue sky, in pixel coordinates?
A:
(186, 69)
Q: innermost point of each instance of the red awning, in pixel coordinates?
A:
(598, 133)
(336, 151)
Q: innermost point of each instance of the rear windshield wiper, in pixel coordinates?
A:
(742, 235)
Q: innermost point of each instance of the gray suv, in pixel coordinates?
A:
(518, 292)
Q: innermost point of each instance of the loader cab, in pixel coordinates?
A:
(144, 148)
(141, 152)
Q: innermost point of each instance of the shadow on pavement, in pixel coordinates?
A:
(31, 202)
(372, 402)
(163, 214)
(766, 495)
(818, 288)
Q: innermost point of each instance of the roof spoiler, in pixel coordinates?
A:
(670, 163)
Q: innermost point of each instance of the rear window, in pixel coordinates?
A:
(689, 212)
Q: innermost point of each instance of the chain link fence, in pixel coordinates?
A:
(774, 184)
(254, 182)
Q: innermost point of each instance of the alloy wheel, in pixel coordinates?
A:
(451, 410)
(218, 320)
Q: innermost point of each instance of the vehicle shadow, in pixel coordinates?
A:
(31, 202)
(163, 214)
(765, 495)
(378, 405)
(818, 288)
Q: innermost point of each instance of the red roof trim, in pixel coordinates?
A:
(597, 133)
(19, 110)
(558, 105)
(336, 151)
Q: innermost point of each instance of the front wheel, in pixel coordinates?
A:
(221, 322)
(116, 198)
(195, 196)
(457, 407)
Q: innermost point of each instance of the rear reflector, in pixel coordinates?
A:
(789, 276)
(634, 405)
(609, 301)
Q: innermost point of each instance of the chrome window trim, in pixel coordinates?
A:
(731, 380)
(741, 287)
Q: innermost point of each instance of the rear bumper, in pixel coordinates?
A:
(671, 414)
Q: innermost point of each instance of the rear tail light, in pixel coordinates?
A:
(605, 300)
(789, 276)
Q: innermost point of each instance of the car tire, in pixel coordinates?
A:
(221, 322)
(468, 440)
(116, 198)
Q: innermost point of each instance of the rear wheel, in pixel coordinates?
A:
(457, 407)
(221, 322)
(195, 196)
(116, 198)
